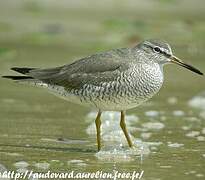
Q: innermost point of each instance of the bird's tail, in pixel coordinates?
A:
(21, 71)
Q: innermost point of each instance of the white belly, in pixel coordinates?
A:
(143, 88)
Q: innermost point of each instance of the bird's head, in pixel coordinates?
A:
(161, 52)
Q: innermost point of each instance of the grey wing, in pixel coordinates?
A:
(93, 70)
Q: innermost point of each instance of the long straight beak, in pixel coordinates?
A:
(176, 60)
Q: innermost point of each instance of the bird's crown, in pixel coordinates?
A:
(157, 46)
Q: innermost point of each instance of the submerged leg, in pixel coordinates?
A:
(98, 124)
(123, 126)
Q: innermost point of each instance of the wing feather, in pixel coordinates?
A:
(93, 70)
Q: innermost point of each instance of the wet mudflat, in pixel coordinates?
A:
(41, 132)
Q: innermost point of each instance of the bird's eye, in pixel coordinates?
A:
(157, 49)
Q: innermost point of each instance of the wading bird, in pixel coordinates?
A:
(115, 80)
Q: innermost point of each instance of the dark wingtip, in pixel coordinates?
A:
(14, 68)
(17, 77)
(22, 70)
(201, 73)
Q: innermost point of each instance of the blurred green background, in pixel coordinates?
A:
(48, 33)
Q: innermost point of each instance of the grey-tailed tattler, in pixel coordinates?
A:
(114, 80)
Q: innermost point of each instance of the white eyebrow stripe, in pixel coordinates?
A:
(170, 50)
(167, 52)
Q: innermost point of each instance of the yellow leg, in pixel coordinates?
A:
(98, 124)
(123, 126)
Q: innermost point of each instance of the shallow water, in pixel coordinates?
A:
(41, 132)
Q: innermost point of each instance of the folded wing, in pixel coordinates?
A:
(95, 69)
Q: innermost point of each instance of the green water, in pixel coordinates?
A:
(34, 122)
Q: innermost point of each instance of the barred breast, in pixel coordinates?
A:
(128, 90)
